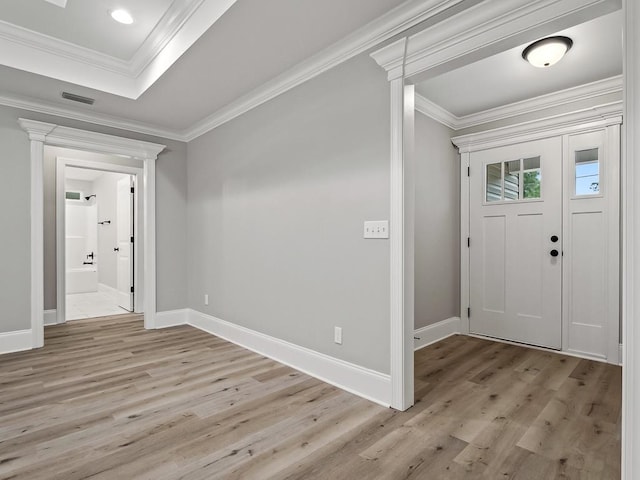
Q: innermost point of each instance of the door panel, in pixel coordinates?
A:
(515, 208)
(124, 229)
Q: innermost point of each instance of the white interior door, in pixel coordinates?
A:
(124, 249)
(515, 242)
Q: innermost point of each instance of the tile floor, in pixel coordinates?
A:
(89, 305)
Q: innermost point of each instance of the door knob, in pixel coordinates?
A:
(553, 253)
(117, 249)
(554, 238)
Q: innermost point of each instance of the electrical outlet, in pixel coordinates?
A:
(206, 299)
(376, 229)
(337, 335)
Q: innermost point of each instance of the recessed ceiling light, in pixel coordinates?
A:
(547, 52)
(122, 16)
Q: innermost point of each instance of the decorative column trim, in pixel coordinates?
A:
(37, 132)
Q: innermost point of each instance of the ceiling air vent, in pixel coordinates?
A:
(77, 98)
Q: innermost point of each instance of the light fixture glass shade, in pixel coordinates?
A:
(547, 52)
(122, 16)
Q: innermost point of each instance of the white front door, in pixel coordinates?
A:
(515, 242)
(124, 249)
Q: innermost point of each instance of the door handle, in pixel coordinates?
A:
(554, 253)
(117, 249)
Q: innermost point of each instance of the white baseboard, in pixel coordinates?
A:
(620, 355)
(434, 333)
(50, 317)
(16, 341)
(358, 380)
(172, 318)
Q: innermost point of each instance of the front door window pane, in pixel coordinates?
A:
(531, 177)
(512, 180)
(587, 172)
(494, 182)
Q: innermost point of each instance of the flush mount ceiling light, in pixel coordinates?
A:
(547, 52)
(122, 16)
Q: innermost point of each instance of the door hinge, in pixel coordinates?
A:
(468, 312)
(468, 242)
(133, 190)
(131, 239)
(131, 289)
(468, 171)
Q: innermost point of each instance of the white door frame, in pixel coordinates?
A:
(41, 134)
(478, 32)
(61, 288)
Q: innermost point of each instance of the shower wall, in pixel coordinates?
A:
(81, 221)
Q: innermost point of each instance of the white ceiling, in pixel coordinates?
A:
(88, 23)
(507, 78)
(250, 44)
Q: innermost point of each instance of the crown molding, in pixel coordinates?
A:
(435, 111)
(183, 23)
(90, 117)
(600, 116)
(385, 27)
(563, 97)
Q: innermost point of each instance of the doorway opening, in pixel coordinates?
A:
(99, 234)
(99, 222)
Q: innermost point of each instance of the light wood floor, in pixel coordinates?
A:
(105, 399)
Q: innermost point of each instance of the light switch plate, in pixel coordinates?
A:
(376, 229)
(337, 335)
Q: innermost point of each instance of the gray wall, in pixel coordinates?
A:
(171, 225)
(277, 201)
(437, 223)
(14, 224)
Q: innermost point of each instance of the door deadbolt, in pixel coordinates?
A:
(554, 238)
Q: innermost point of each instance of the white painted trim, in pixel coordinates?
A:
(434, 333)
(50, 317)
(601, 116)
(84, 115)
(465, 234)
(16, 341)
(366, 383)
(524, 107)
(401, 246)
(61, 278)
(385, 27)
(621, 354)
(183, 23)
(435, 111)
(172, 318)
(630, 244)
(41, 134)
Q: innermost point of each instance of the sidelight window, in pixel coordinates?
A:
(587, 172)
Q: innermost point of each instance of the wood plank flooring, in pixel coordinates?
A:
(105, 399)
